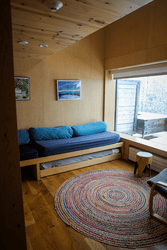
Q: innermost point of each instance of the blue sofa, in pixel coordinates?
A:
(26, 149)
(91, 141)
(40, 142)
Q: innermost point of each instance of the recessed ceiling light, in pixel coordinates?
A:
(43, 45)
(23, 42)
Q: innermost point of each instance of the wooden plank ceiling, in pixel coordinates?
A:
(32, 21)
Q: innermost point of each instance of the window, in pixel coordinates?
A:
(141, 107)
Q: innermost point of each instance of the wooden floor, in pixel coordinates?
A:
(44, 228)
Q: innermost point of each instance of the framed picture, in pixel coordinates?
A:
(22, 88)
(68, 89)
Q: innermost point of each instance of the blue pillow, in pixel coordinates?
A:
(89, 128)
(40, 134)
(23, 136)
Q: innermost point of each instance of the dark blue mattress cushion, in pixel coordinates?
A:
(27, 152)
(59, 146)
(162, 176)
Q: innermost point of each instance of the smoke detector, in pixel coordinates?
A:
(53, 5)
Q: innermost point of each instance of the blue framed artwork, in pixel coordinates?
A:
(68, 89)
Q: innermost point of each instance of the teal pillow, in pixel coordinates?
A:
(89, 128)
(40, 134)
(23, 136)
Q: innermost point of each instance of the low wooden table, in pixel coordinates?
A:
(142, 160)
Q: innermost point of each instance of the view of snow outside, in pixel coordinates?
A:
(153, 103)
(153, 94)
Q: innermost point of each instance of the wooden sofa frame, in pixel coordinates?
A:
(152, 194)
(38, 173)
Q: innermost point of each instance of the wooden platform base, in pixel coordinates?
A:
(38, 173)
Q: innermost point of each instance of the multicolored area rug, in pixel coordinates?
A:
(111, 206)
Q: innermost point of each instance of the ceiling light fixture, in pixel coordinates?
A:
(43, 45)
(23, 42)
(53, 5)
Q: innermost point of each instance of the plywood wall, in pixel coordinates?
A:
(109, 103)
(138, 38)
(83, 60)
(12, 226)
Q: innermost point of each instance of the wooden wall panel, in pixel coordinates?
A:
(157, 24)
(30, 112)
(128, 35)
(85, 61)
(109, 101)
(137, 58)
(138, 38)
(12, 227)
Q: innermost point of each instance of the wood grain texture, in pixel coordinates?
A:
(70, 154)
(12, 231)
(35, 163)
(109, 100)
(29, 219)
(84, 61)
(30, 113)
(158, 163)
(139, 38)
(33, 21)
(131, 26)
(150, 126)
(48, 226)
(152, 194)
(79, 165)
(143, 159)
(144, 145)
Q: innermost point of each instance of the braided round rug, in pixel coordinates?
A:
(111, 206)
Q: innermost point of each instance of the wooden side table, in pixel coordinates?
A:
(142, 160)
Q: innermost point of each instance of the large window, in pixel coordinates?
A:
(141, 106)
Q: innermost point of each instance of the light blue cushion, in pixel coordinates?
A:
(89, 128)
(40, 134)
(23, 136)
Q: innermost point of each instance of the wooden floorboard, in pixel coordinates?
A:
(44, 228)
